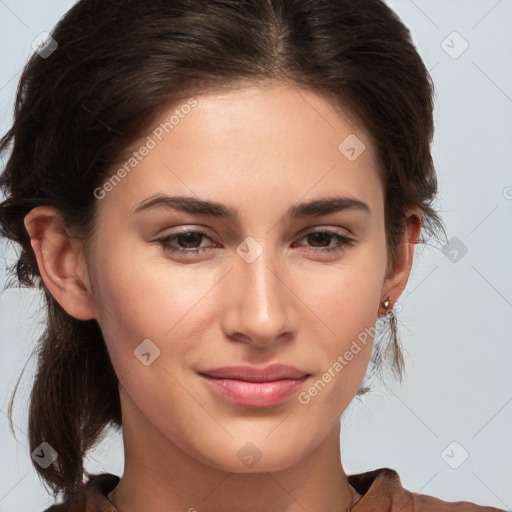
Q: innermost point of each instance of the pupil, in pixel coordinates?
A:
(189, 237)
(318, 236)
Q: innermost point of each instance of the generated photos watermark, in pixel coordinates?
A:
(150, 143)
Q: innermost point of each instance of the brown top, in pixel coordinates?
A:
(381, 491)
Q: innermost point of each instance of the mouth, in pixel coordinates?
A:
(251, 386)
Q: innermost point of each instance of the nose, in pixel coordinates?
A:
(261, 308)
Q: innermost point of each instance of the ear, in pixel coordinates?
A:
(60, 261)
(399, 271)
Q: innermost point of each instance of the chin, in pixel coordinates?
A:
(245, 456)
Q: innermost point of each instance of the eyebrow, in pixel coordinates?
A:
(316, 208)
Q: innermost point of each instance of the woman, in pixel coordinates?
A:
(219, 200)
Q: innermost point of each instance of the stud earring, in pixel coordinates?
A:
(385, 303)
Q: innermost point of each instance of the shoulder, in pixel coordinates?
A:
(91, 496)
(430, 504)
(382, 490)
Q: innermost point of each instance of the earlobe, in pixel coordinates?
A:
(398, 275)
(59, 261)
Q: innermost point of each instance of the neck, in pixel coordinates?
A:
(161, 477)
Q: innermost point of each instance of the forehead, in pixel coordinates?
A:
(266, 140)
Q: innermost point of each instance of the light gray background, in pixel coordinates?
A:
(455, 321)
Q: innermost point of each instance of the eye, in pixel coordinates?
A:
(188, 238)
(188, 242)
(320, 237)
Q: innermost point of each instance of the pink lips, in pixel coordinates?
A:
(250, 386)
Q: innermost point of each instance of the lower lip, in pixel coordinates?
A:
(255, 394)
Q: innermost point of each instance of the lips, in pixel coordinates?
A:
(254, 374)
(252, 386)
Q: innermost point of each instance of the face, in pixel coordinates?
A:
(180, 293)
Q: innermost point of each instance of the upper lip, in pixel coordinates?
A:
(268, 373)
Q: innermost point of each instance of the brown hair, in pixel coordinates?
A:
(118, 62)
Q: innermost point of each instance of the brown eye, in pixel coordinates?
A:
(320, 238)
(187, 238)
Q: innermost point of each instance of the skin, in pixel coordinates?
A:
(259, 149)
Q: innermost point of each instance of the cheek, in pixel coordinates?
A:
(140, 298)
(346, 295)
(346, 300)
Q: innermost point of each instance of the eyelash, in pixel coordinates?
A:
(344, 242)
